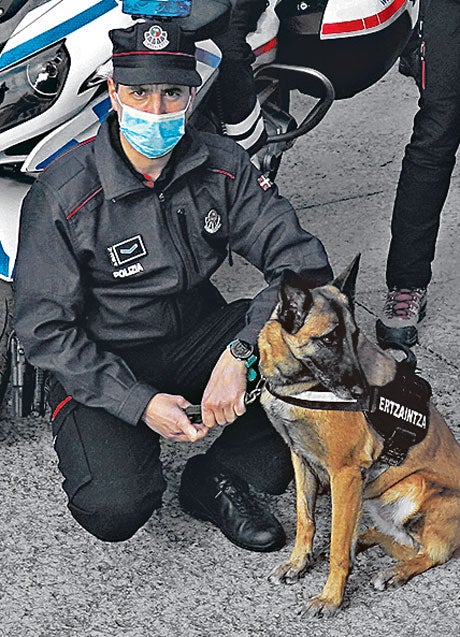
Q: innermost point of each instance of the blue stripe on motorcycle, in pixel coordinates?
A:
(70, 144)
(56, 33)
(102, 109)
(208, 58)
(4, 262)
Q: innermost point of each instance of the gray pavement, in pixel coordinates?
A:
(178, 577)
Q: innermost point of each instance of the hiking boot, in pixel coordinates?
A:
(208, 493)
(403, 309)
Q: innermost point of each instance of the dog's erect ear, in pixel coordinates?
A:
(379, 367)
(295, 299)
(346, 282)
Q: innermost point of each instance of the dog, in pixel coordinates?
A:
(312, 340)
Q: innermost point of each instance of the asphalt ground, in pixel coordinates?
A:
(179, 577)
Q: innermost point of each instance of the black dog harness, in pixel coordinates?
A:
(398, 411)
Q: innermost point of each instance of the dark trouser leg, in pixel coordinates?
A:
(250, 447)
(430, 155)
(112, 472)
(240, 108)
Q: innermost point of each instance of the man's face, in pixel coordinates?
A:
(152, 98)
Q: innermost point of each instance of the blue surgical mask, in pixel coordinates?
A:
(152, 135)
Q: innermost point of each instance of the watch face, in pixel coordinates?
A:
(241, 349)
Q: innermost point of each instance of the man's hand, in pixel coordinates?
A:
(165, 414)
(223, 398)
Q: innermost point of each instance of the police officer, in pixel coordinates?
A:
(118, 240)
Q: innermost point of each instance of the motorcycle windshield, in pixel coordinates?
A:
(11, 14)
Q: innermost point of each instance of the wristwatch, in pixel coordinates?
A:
(240, 349)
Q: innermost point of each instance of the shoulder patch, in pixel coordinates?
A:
(264, 182)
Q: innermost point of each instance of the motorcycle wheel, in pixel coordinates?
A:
(6, 326)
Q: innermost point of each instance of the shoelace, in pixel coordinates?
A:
(239, 498)
(403, 303)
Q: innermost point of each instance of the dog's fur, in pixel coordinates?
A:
(312, 338)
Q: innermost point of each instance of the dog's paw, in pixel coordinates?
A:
(291, 571)
(388, 578)
(320, 606)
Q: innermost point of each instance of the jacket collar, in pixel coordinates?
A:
(118, 177)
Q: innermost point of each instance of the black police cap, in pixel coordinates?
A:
(152, 52)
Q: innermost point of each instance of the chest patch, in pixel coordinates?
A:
(212, 221)
(126, 251)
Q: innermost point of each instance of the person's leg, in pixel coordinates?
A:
(214, 485)
(112, 472)
(425, 178)
(250, 447)
(238, 98)
(430, 156)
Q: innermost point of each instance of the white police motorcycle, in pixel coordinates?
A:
(53, 95)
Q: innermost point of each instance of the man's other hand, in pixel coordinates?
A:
(223, 398)
(165, 414)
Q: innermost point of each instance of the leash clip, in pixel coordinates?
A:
(251, 396)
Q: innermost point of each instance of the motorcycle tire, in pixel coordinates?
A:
(6, 326)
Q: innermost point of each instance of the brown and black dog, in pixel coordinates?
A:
(312, 339)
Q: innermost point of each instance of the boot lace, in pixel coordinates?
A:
(239, 497)
(403, 303)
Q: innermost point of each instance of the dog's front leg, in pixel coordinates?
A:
(346, 494)
(301, 557)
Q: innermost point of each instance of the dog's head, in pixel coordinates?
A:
(313, 337)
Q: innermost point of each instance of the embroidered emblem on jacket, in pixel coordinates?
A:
(128, 250)
(264, 182)
(212, 221)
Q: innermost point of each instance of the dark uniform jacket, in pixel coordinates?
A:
(107, 258)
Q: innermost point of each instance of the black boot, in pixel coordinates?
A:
(210, 493)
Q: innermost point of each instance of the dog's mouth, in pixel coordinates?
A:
(309, 376)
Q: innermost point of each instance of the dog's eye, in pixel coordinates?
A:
(329, 339)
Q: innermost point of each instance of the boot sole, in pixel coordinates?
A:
(400, 335)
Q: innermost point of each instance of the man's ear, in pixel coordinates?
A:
(193, 91)
(112, 93)
(346, 282)
(295, 301)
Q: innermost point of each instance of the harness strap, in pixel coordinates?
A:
(324, 400)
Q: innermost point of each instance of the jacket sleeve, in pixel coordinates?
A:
(49, 314)
(265, 230)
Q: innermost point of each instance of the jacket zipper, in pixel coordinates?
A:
(182, 216)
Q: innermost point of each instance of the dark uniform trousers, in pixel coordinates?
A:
(430, 156)
(112, 471)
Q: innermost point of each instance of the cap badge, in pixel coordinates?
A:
(156, 38)
(212, 221)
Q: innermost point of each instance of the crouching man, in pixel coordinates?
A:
(118, 240)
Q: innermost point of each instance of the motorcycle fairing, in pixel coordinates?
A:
(343, 18)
